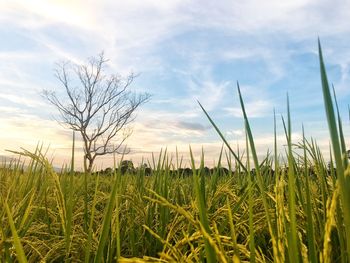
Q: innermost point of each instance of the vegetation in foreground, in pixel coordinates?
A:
(284, 214)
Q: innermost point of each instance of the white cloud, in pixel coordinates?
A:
(207, 92)
(37, 13)
(254, 109)
(235, 133)
(256, 103)
(24, 101)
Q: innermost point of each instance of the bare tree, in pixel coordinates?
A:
(96, 105)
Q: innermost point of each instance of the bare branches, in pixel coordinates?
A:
(97, 105)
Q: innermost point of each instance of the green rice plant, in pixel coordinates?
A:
(233, 232)
(107, 219)
(59, 197)
(16, 240)
(310, 225)
(329, 224)
(90, 230)
(293, 246)
(215, 176)
(69, 205)
(344, 178)
(341, 134)
(229, 232)
(259, 178)
(251, 203)
(200, 198)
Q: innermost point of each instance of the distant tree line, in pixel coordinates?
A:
(127, 167)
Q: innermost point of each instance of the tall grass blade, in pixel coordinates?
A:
(293, 250)
(69, 204)
(16, 240)
(258, 174)
(92, 216)
(252, 255)
(341, 133)
(200, 196)
(223, 138)
(309, 220)
(106, 225)
(344, 179)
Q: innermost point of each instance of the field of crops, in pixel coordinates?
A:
(292, 211)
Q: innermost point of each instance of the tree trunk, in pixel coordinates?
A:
(89, 169)
(85, 164)
(88, 163)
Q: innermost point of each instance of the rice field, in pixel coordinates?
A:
(297, 210)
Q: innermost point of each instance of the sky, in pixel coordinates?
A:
(182, 51)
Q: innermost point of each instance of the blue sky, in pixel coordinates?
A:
(184, 51)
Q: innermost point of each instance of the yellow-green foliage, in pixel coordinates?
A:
(37, 216)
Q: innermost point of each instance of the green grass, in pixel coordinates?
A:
(285, 215)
